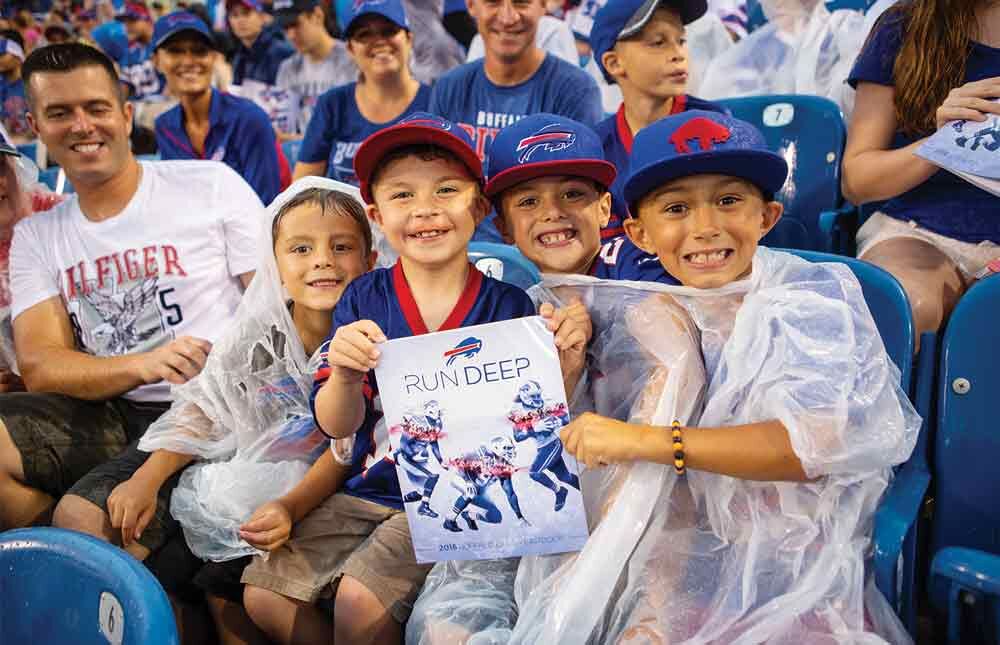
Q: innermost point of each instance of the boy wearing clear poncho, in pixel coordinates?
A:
(750, 521)
(245, 420)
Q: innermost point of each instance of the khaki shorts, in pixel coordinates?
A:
(968, 257)
(345, 535)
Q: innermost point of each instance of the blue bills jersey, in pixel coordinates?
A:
(620, 259)
(383, 296)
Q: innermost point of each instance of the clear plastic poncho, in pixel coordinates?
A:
(246, 416)
(803, 49)
(707, 558)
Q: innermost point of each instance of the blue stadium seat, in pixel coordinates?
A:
(291, 150)
(504, 262)
(896, 556)
(965, 537)
(61, 586)
(809, 132)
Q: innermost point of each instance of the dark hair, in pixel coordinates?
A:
(13, 34)
(67, 57)
(329, 201)
(422, 151)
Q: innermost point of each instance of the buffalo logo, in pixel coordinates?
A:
(988, 137)
(545, 139)
(360, 3)
(433, 123)
(706, 131)
(467, 348)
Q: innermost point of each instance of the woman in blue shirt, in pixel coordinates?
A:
(926, 62)
(380, 42)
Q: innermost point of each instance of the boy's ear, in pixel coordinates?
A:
(604, 204)
(372, 211)
(636, 232)
(612, 63)
(771, 214)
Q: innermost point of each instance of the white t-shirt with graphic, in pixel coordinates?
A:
(166, 266)
(306, 79)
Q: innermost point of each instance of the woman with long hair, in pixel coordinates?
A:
(926, 62)
(380, 43)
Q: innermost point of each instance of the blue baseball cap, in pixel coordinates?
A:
(545, 144)
(391, 10)
(699, 142)
(254, 5)
(179, 22)
(419, 128)
(619, 19)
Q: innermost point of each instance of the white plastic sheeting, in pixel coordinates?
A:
(246, 416)
(707, 558)
(803, 49)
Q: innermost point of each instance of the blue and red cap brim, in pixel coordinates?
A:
(418, 129)
(599, 170)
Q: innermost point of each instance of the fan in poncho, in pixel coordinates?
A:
(707, 558)
(246, 416)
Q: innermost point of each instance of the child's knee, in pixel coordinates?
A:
(358, 613)
(79, 514)
(263, 605)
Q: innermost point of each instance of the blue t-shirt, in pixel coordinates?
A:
(260, 61)
(239, 135)
(944, 203)
(140, 74)
(14, 108)
(384, 297)
(337, 128)
(616, 137)
(466, 97)
(620, 259)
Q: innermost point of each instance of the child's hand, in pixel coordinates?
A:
(599, 441)
(353, 349)
(269, 526)
(131, 506)
(573, 330)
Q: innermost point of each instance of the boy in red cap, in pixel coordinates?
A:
(422, 181)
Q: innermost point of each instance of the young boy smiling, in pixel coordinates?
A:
(422, 181)
(549, 183)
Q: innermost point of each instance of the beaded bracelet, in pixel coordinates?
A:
(675, 432)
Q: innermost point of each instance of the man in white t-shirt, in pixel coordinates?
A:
(117, 292)
(320, 63)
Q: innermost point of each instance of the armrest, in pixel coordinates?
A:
(839, 226)
(894, 518)
(970, 568)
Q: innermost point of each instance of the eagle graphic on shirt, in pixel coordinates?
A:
(123, 320)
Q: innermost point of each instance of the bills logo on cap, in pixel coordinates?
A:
(467, 348)
(282, 4)
(360, 3)
(434, 123)
(545, 139)
(705, 131)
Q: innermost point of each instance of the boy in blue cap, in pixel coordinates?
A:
(422, 180)
(549, 183)
(640, 46)
(803, 406)
(206, 123)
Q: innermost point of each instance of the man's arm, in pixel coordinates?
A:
(49, 361)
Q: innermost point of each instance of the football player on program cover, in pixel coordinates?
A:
(534, 418)
(491, 463)
(418, 437)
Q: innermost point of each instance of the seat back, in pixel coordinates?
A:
(889, 306)
(61, 586)
(967, 443)
(809, 132)
(504, 262)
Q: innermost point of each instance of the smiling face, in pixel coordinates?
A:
(704, 228)
(555, 221)
(81, 118)
(318, 254)
(428, 207)
(508, 27)
(653, 62)
(186, 62)
(379, 47)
